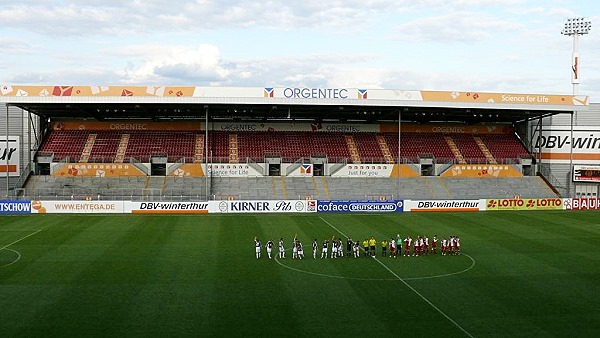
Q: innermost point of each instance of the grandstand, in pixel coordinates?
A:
(250, 143)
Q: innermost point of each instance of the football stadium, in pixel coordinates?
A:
(214, 211)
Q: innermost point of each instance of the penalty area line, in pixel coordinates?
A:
(20, 239)
(408, 286)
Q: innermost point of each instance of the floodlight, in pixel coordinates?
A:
(575, 27)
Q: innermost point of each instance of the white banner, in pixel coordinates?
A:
(365, 170)
(10, 157)
(556, 144)
(168, 207)
(230, 170)
(77, 207)
(266, 206)
(586, 203)
(297, 126)
(444, 205)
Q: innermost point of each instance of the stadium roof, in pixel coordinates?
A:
(265, 103)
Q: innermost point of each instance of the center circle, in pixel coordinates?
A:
(386, 262)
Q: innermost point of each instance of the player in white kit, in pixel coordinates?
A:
(281, 248)
(269, 247)
(257, 244)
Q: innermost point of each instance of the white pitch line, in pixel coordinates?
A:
(13, 262)
(20, 239)
(408, 286)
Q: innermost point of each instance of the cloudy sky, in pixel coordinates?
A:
(464, 45)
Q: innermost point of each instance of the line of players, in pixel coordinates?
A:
(419, 245)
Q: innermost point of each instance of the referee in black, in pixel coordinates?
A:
(349, 244)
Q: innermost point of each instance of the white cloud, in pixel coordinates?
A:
(169, 64)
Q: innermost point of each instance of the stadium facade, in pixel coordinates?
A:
(559, 132)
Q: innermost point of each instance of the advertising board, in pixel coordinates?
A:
(360, 206)
(296, 206)
(15, 207)
(77, 207)
(587, 173)
(444, 205)
(586, 203)
(524, 204)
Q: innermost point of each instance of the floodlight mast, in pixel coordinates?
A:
(575, 27)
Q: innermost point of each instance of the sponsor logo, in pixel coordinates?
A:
(173, 206)
(62, 91)
(316, 126)
(582, 204)
(359, 206)
(299, 206)
(128, 126)
(15, 207)
(311, 205)
(269, 92)
(315, 93)
(306, 169)
(447, 204)
(249, 206)
(525, 204)
(580, 141)
(362, 94)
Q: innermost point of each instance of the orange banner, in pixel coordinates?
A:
(448, 128)
(406, 171)
(307, 93)
(505, 98)
(481, 171)
(162, 91)
(98, 170)
(126, 125)
(188, 170)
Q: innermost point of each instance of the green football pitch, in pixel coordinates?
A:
(521, 274)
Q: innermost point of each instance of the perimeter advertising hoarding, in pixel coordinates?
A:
(444, 205)
(524, 204)
(221, 207)
(77, 207)
(582, 203)
(15, 207)
(119, 207)
(167, 207)
(296, 206)
(360, 206)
